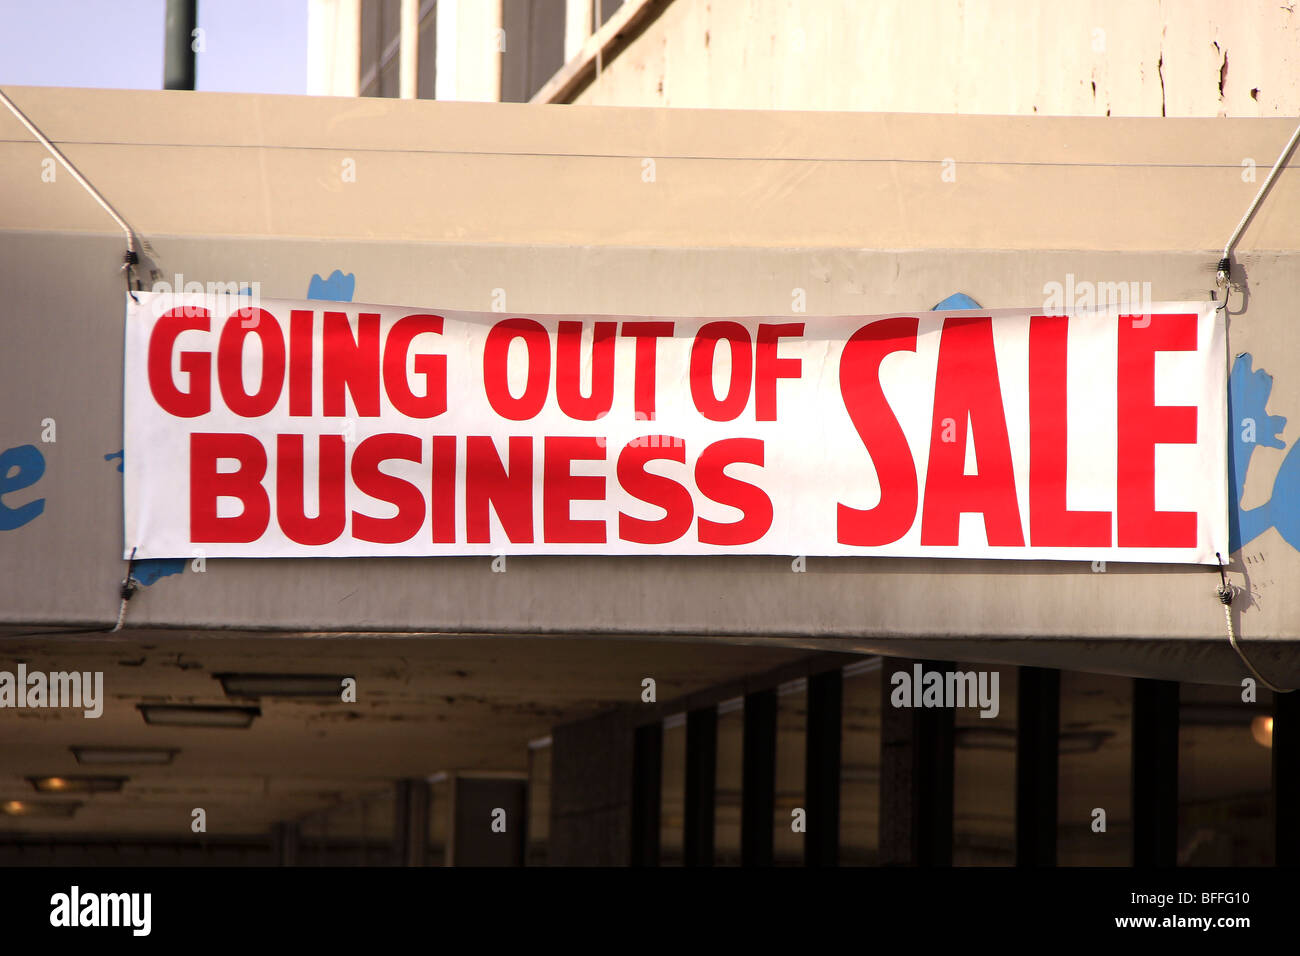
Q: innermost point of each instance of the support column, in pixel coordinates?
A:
(178, 47)
(410, 822)
(1155, 772)
(489, 820)
(701, 786)
(758, 790)
(591, 792)
(284, 844)
(1037, 747)
(1286, 778)
(916, 776)
(822, 769)
(647, 784)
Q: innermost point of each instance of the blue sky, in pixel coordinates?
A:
(252, 46)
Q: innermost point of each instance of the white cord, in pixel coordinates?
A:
(54, 151)
(1241, 226)
(129, 586)
(121, 617)
(1225, 597)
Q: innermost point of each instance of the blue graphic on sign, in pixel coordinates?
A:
(956, 302)
(337, 288)
(149, 570)
(1251, 425)
(20, 467)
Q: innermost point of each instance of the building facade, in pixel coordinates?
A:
(1127, 730)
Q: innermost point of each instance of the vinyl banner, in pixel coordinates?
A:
(324, 429)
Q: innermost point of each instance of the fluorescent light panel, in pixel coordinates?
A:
(77, 784)
(106, 756)
(180, 715)
(1004, 738)
(39, 808)
(282, 685)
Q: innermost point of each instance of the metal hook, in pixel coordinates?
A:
(1225, 589)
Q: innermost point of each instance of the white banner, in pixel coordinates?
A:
(322, 429)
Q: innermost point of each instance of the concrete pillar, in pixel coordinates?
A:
(178, 47)
(591, 792)
(489, 820)
(1038, 722)
(410, 822)
(1155, 772)
(758, 787)
(822, 768)
(1286, 777)
(577, 26)
(916, 777)
(333, 47)
(647, 789)
(284, 844)
(701, 786)
(408, 55)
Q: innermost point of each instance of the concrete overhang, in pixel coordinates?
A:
(452, 201)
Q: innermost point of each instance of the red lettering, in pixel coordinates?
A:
(433, 367)
(560, 487)
(1051, 524)
(768, 367)
(712, 480)
(665, 493)
(301, 323)
(509, 493)
(230, 363)
(1143, 424)
(290, 491)
(207, 484)
(568, 371)
(197, 365)
(496, 351)
(351, 363)
(397, 491)
(967, 388)
(703, 352)
(881, 435)
(442, 497)
(644, 379)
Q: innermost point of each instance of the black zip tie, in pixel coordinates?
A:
(1223, 271)
(129, 261)
(1225, 589)
(127, 591)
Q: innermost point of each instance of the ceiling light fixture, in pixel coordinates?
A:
(77, 784)
(1004, 738)
(102, 756)
(189, 715)
(282, 685)
(1197, 714)
(1261, 728)
(39, 808)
